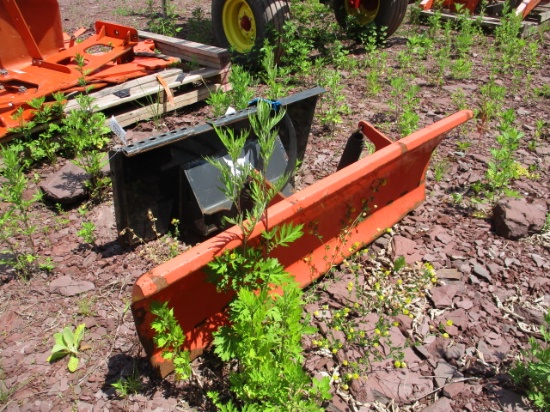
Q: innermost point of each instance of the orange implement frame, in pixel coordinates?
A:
(36, 62)
(523, 9)
(350, 207)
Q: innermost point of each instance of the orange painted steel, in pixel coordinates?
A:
(523, 9)
(349, 208)
(36, 62)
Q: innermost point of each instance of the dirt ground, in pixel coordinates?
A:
(493, 290)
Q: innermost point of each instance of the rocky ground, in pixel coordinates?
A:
(491, 290)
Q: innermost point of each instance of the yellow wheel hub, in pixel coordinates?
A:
(239, 25)
(365, 13)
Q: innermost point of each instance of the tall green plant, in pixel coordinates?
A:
(266, 323)
(16, 226)
(503, 167)
(83, 128)
(238, 97)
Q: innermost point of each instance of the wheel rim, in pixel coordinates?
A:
(239, 25)
(366, 13)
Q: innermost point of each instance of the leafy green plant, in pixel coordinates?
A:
(85, 306)
(39, 145)
(83, 129)
(165, 22)
(533, 372)
(277, 85)
(266, 325)
(67, 343)
(334, 100)
(128, 385)
(238, 97)
(503, 167)
(508, 40)
(199, 27)
(87, 233)
(543, 91)
(461, 69)
(16, 226)
(491, 100)
(169, 336)
(92, 162)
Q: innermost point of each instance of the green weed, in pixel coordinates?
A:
(533, 371)
(16, 226)
(87, 233)
(200, 27)
(170, 337)
(238, 97)
(266, 328)
(68, 343)
(165, 23)
(503, 167)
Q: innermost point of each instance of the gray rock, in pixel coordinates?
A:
(67, 185)
(515, 218)
(441, 405)
(483, 273)
(401, 246)
(442, 296)
(67, 286)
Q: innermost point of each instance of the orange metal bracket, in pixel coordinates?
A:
(348, 208)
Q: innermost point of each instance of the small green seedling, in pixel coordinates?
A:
(68, 343)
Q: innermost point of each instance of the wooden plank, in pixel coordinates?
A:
(155, 109)
(149, 86)
(203, 54)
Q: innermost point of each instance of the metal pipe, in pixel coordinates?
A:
(353, 149)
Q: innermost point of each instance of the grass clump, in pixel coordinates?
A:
(533, 373)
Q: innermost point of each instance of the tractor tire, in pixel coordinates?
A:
(388, 14)
(243, 25)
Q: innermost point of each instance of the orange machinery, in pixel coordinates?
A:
(37, 59)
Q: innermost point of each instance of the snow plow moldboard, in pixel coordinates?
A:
(346, 210)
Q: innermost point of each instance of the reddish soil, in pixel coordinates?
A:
(493, 289)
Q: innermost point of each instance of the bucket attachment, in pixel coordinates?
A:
(340, 213)
(167, 174)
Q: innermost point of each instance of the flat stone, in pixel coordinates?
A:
(539, 260)
(398, 385)
(451, 274)
(511, 401)
(66, 286)
(441, 405)
(442, 296)
(455, 352)
(479, 270)
(453, 390)
(67, 185)
(402, 246)
(444, 372)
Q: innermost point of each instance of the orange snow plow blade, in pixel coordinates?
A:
(340, 213)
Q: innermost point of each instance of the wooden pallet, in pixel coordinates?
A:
(206, 69)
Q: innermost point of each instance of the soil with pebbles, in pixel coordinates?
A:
(494, 290)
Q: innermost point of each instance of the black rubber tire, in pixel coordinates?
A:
(390, 15)
(270, 17)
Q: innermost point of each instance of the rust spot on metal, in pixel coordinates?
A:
(159, 281)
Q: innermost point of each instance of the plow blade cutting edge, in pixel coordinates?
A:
(340, 213)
